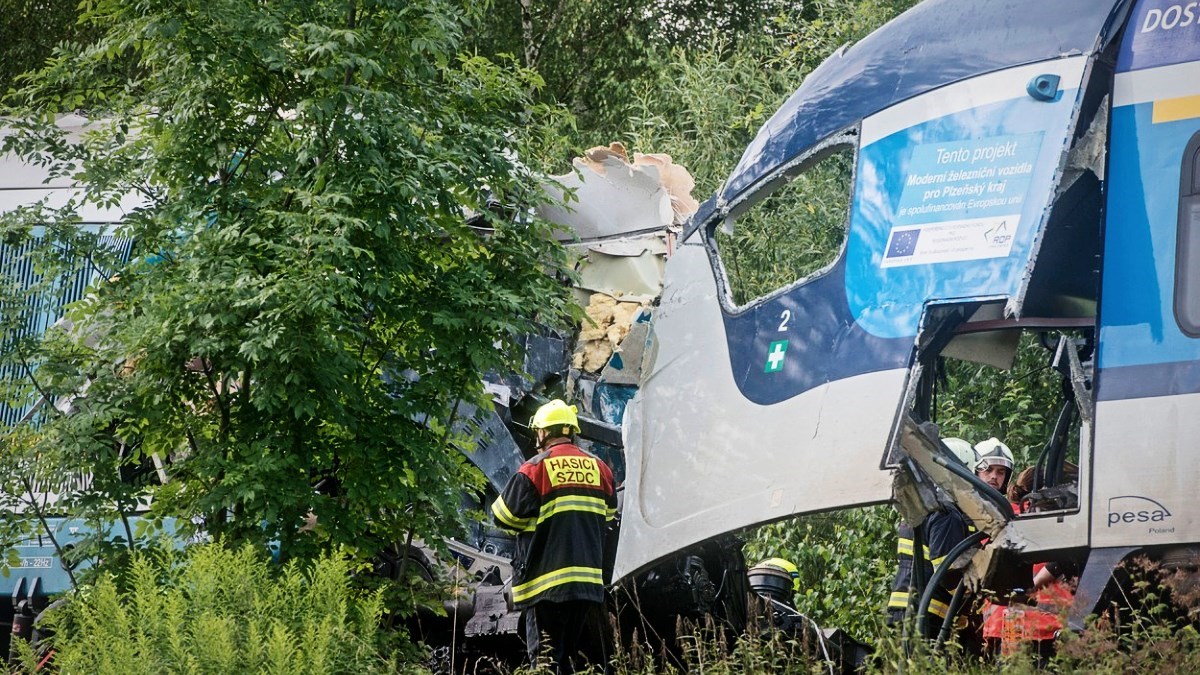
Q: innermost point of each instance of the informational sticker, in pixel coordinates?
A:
(962, 200)
(951, 241)
(573, 471)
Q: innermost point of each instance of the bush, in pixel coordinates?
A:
(846, 559)
(213, 609)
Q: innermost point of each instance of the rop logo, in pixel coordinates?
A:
(998, 236)
(1135, 509)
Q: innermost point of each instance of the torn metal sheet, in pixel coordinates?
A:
(996, 349)
(988, 510)
(1088, 153)
(915, 495)
(1081, 380)
(618, 271)
(625, 366)
(608, 195)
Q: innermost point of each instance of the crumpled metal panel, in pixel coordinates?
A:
(624, 267)
(608, 195)
(496, 453)
(988, 510)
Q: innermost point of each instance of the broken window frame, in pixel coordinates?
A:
(946, 321)
(844, 140)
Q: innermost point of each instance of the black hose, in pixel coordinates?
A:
(955, 605)
(1062, 430)
(916, 580)
(935, 581)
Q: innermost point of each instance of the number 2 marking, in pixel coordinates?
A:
(784, 318)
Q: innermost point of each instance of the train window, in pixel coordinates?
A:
(797, 230)
(1187, 246)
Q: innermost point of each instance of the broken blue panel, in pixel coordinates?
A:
(545, 360)
(610, 400)
(612, 455)
(496, 453)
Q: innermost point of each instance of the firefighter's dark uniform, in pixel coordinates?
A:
(944, 529)
(559, 504)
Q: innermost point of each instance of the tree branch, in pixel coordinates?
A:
(38, 385)
(40, 511)
(214, 387)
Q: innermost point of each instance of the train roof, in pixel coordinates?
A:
(936, 43)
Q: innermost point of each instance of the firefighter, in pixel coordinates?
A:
(994, 464)
(1009, 624)
(767, 579)
(943, 530)
(559, 503)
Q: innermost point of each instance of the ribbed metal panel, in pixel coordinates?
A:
(40, 310)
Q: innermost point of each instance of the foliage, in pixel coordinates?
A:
(30, 31)
(846, 562)
(215, 609)
(593, 56)
(306, 301)
(704, 109)
(795, 232)
(705, 105)
(1019, 406)
(1148, 625)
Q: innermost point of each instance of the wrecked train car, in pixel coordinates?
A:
(1015, 166)
(619, 216)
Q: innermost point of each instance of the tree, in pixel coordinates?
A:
(30, 31)
(594, 57)
(305, 302)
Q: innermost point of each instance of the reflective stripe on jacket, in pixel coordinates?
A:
(558, 503)
(943, 531)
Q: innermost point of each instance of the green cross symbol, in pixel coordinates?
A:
(775, 355)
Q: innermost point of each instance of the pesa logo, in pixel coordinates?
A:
(1135, 509)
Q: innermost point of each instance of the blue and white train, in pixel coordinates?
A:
(1019, 165)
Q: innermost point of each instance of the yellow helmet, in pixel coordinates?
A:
(555, 414)
(786, 566)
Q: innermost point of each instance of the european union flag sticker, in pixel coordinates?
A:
(903, 243)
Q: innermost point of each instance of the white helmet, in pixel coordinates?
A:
(962, 450)
(992, 452)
